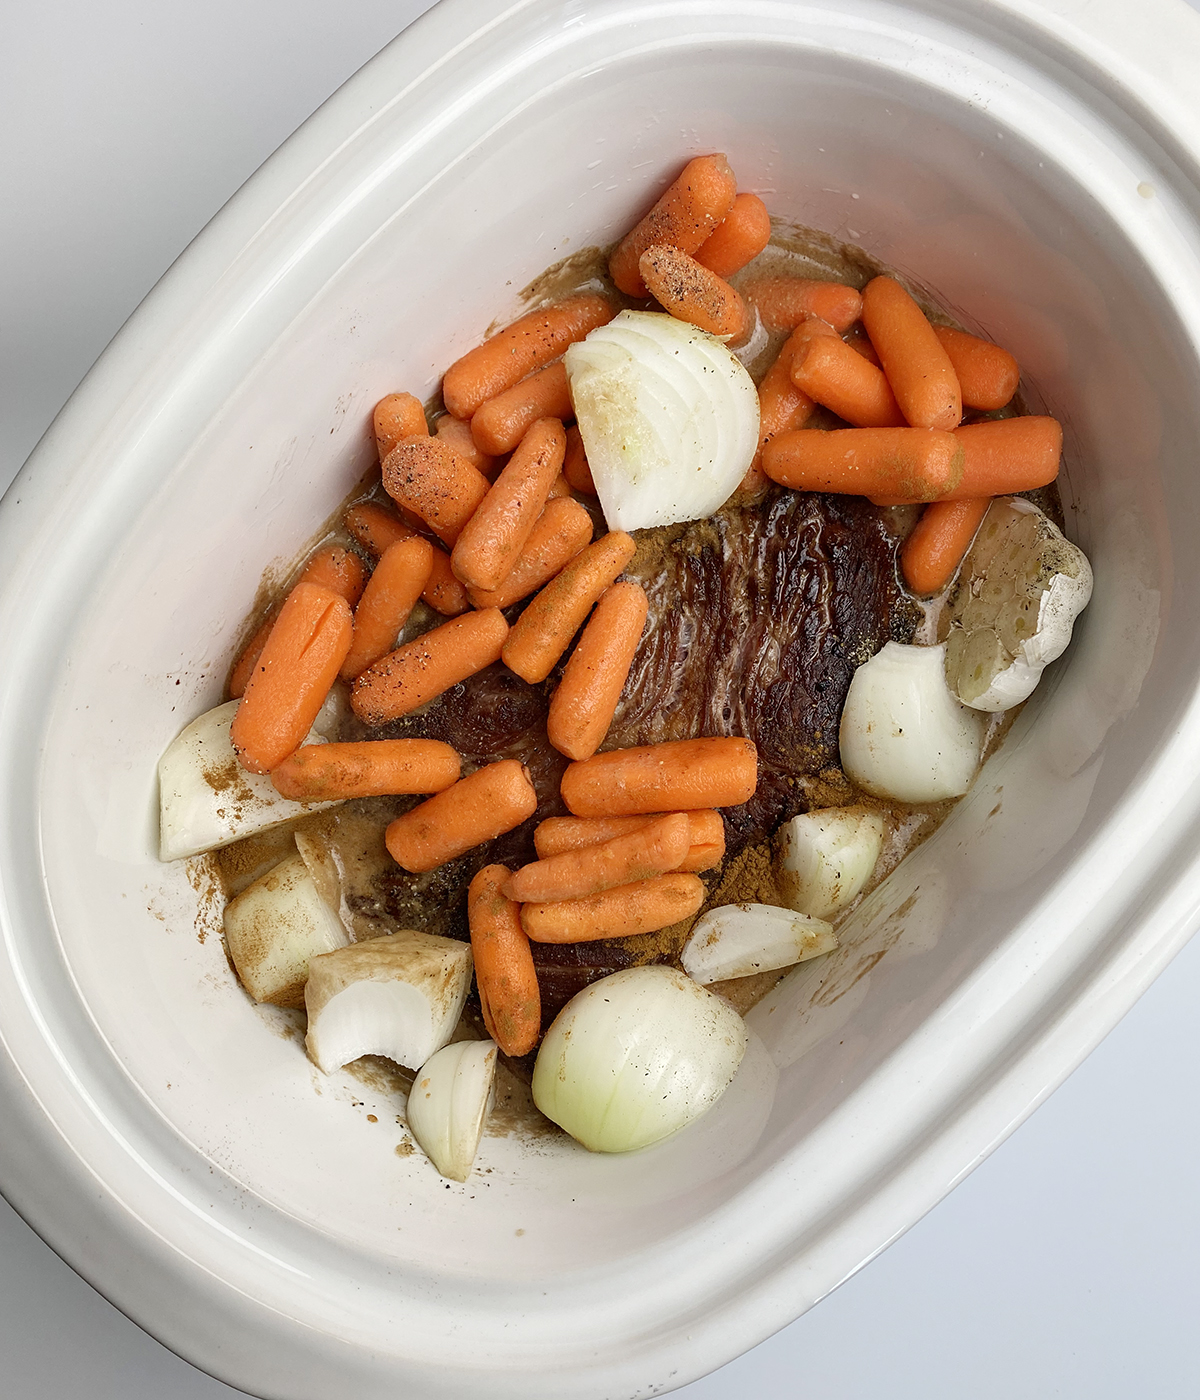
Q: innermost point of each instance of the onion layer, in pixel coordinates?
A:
(738, 940)
(827, 857)
(448, 1104)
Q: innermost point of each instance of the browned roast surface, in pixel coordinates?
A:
(758, 618)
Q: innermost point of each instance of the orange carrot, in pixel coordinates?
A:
(642, 907)
(652, 850)
(916, 365)
(783, 302)
(376, 768)
(833, 374)
(293, 676)
(987, 375)
(375, 528)
(493, 538)
(575, 465)
(913, 464)
(398, 416)
(683, 775)
(559, 533)
(422, 669)
(781, 406)
(691, 292)
(860, 342)
(685, 217)
(544, 630)
(502, 422)
(583, 704)
(429, 478)
(399, 579)
(558, 834)
(493, 800)
(1010, 454)
(457, 435)
(738, 239)
(940, 541)
(560, 487)
(243, 667)
(509, 995)
(529, 343)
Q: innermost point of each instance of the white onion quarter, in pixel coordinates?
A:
(668, 416)
(636, 1056)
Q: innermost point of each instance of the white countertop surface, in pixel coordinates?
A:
(1067, 1265)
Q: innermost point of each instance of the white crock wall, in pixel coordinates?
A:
(263, 1227)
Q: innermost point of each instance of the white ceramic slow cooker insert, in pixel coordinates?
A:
(1035, 166)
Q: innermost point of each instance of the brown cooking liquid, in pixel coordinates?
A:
(758, 618)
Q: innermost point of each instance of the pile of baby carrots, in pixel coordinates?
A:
(488, 515)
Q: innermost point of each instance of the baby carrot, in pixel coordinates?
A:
(558, 834)
(691, 292)
(987, 375)
(529, 343)
(575, 465)
(938, 544)
(781, 406)
(912, 464)
(502, 422)
(833, 374)
(376, 768)
(398, 581)
(642, 907)
(683, 775)
(292, 677)
(493, 800)
(583, 704)
(429, 478)
(560, 488)
(559, 533)
(783, 302)
(652, 850)
(509, 995)
(739, 238)
(1010, 454)
(916, 365)
(398, 416)
(375, 528)
(243, 667)
(494, 536)
(544, 630)
(422, 669)
(457, 435)
(685, 217)
(860, 342)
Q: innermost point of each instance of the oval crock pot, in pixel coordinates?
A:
(1036, 164)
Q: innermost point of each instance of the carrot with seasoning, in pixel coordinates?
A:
(575, 464)
(685, 218)
(939, 543)
(560, 488)
(500, 424)
(493, 538)
(653, 850)
(375, 528)
(987, 375)
(374, 768)
(916, 365)
(691, 293)
(544, 630)
(583, 703)
(642, 907)
(558, 834)
(999, 459)
(399, 580)
(332, 567)
(783, 302)
(559, 533)
(528, 344)
(738, 239)
(684, 774)
(292, 677)
(833, 374)
(782, 406)
(424, 668)
(911, 464)
(493, 800)
(456, 434)
(398, 416)
(509, 995)
(429, 478)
